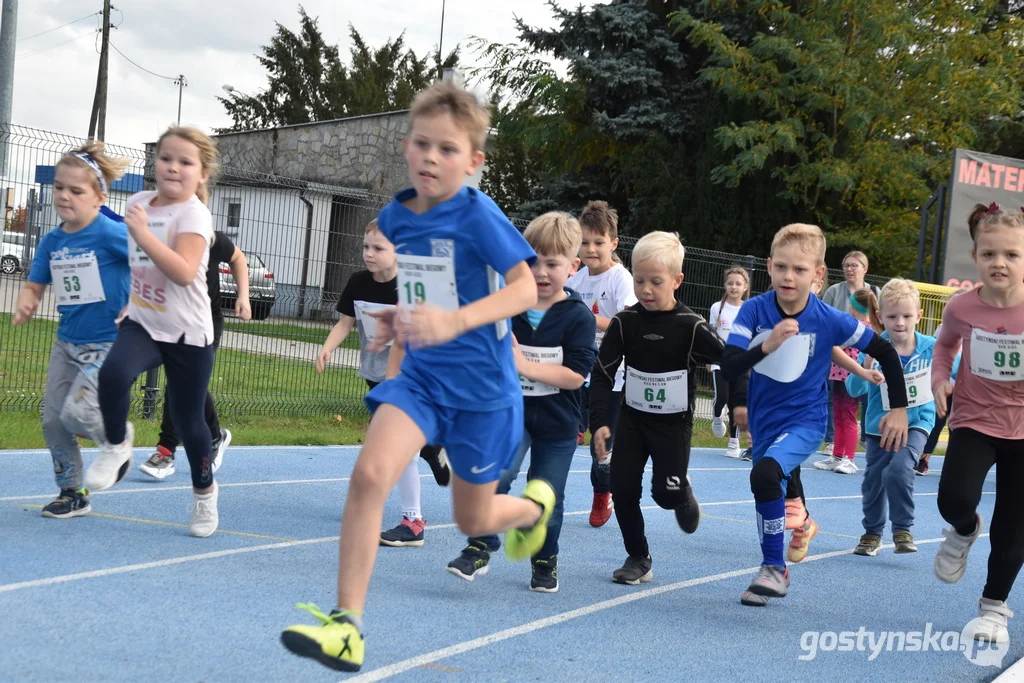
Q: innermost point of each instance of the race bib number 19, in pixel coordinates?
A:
(919, 389)
(997, 356)
(427, 279)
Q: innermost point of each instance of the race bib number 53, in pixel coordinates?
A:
(76, 280)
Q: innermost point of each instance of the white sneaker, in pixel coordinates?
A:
(204, 513)
(219, 446)
(828, 449)
(718, 427)
(829, 464)
(112, 463)
(993, 616)
(846, 466)
(951, 558)
(733, 450)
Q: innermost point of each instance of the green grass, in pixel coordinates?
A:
(296, 333)
(244, 384)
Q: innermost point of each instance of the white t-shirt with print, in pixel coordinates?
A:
(165, 310)
(721, 317)
(605, 294)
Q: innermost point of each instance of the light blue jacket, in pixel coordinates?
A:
(920, 417)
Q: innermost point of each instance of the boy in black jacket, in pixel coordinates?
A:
(662, 342)
(554, 348)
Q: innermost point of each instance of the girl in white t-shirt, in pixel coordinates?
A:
(168, 320)
(721, 317)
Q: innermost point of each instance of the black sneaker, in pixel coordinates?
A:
(408, 534)
(921, 468)
(748, 455)
(635, 570)
(70, 503)
(688, 514)
(220, 444)
(471, 563)
(438, 461)
(545, 575)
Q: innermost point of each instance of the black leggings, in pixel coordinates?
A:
(667, 444)
(188, 370)
(168, 437)
(940, 424)
(721, 394)
(969, 457)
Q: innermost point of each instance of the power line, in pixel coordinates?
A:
(54, 47)
(49, 30)
(152, 73)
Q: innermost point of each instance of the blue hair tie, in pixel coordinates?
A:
(858, 306)
(87, 158)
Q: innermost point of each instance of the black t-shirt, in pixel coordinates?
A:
(221, 252)
(362, 287)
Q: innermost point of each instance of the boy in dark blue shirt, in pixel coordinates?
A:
(458, 385)
(555, 350)
(785, 337)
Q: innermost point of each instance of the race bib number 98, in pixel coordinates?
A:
(997, 356)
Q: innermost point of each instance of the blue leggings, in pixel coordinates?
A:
(188, 370)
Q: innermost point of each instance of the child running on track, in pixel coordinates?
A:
(720, 317)
(888, 482)
(554, 352)
(375, 289)
(168, 319)
(986, 428)
(660, 342)
(160, 464)
(786, 337)
(458, 384)
(607, 288)
(85, 258)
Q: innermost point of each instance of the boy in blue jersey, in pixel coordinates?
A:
(457, 384)
(889, 475)
(85, 259)
(785, 337)
(554, 349)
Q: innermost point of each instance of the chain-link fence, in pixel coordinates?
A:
(302, 241)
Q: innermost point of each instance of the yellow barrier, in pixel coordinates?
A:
(933, 303)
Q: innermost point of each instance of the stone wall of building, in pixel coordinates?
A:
(362, 152)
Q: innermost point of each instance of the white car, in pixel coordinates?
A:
(12, 259)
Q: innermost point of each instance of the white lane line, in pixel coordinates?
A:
(8, 587)
(529, 627)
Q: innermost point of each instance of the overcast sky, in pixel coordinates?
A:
(211, 42)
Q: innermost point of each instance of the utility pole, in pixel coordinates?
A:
(98, 119)
(8, 38)
(440, 42)
(181, 82)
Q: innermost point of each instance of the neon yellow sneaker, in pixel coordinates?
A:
(519, 543)
(335, 643)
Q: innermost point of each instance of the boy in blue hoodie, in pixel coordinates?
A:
(554, 350)
(889, 476)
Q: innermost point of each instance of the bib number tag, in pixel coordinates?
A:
(787, 362)
(427, 279)
(997, 356)
(548, 355)
(657, 392)
(919, 389)
(368, 322)
(138, 258)
(76, 280)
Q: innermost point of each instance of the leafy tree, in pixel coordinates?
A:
(307, 81)
(855, 107)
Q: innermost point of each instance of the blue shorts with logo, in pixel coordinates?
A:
(480, 445)
(789, 449)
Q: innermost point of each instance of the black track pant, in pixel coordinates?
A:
(666, 442)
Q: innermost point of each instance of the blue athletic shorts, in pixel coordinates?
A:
(790, 448)
(480, 445)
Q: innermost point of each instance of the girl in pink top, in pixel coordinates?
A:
(168, 320)
(987, 422)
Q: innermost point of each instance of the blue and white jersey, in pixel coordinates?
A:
(450, 256)
(788, 388)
